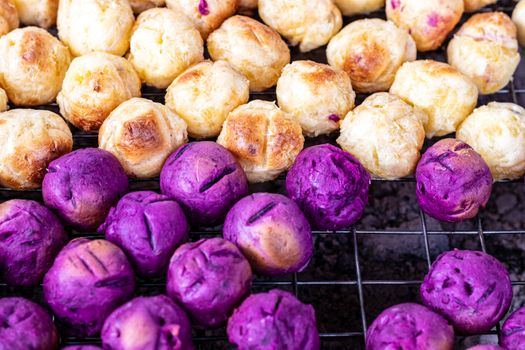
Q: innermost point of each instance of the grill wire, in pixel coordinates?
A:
(354, 335)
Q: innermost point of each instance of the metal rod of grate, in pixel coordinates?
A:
(82, 139)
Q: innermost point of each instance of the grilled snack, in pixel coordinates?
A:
(486, 50)
(452, 181)
(205, 94)
(205, 179)
(513, 330)
(30, 238)
(95, 84)
(82, 186)
(163, 44)
(33, 64)
(385, 134)
(470, 288)
(316, 95)
(271, 232)
(148, 227)
(206, 15)
(8, 17)
(371, 51)
(441, 91)
(31, 140)
(142, 134)
(307, 23)
(274, 320)
(93, 25)
(41, 13)
(329, 185)
(497, 132)
(88, 280)
(429, 22)
(409, 326)
(26, 326)
(252, 48)
(209, 278)
(264, 139)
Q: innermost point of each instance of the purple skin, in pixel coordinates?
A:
(148, 323)
(274, 321)
(513, 331)
(148, 227)
(205, 179)
(83, 185)
(25, 325)
(470, 288)
(30, 238)
(209, 278)
(453, 181)
(409, 327)
(271, 232)
(203, 8)
(485, 347)
(329, 185)
(82, 347)
(89, 279)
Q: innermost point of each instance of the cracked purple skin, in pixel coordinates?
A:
(148, 323)
(30, 238)
(82, 347)
(329, 185)
(513, 331)
(89, 279)
(148, 227)
(470, 288)
(83, 185)
(25, 325)
(272, 232)
(452, 181)
(205, 179)
(274, 321)
(409, 327)
(485, 347)
(209, 278)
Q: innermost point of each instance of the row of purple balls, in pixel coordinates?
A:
(328, 184)
(89, 279)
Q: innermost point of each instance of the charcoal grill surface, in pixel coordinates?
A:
(381, 261)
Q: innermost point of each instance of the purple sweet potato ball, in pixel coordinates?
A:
(82, 347)
(148, 323)
(209, 278)
(329, 185)
(25, 325)
(205, 179)
(89, 279)
(513, 331)
(148, 227)
(486, 347)
(452, 181)
(272, 232)
(470, 288)
(30, 238)
(409, 327)
(83, 185)
(273, 321)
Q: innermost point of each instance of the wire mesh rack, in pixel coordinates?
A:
(379, 262)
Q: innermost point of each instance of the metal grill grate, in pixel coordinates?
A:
(349, 283)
